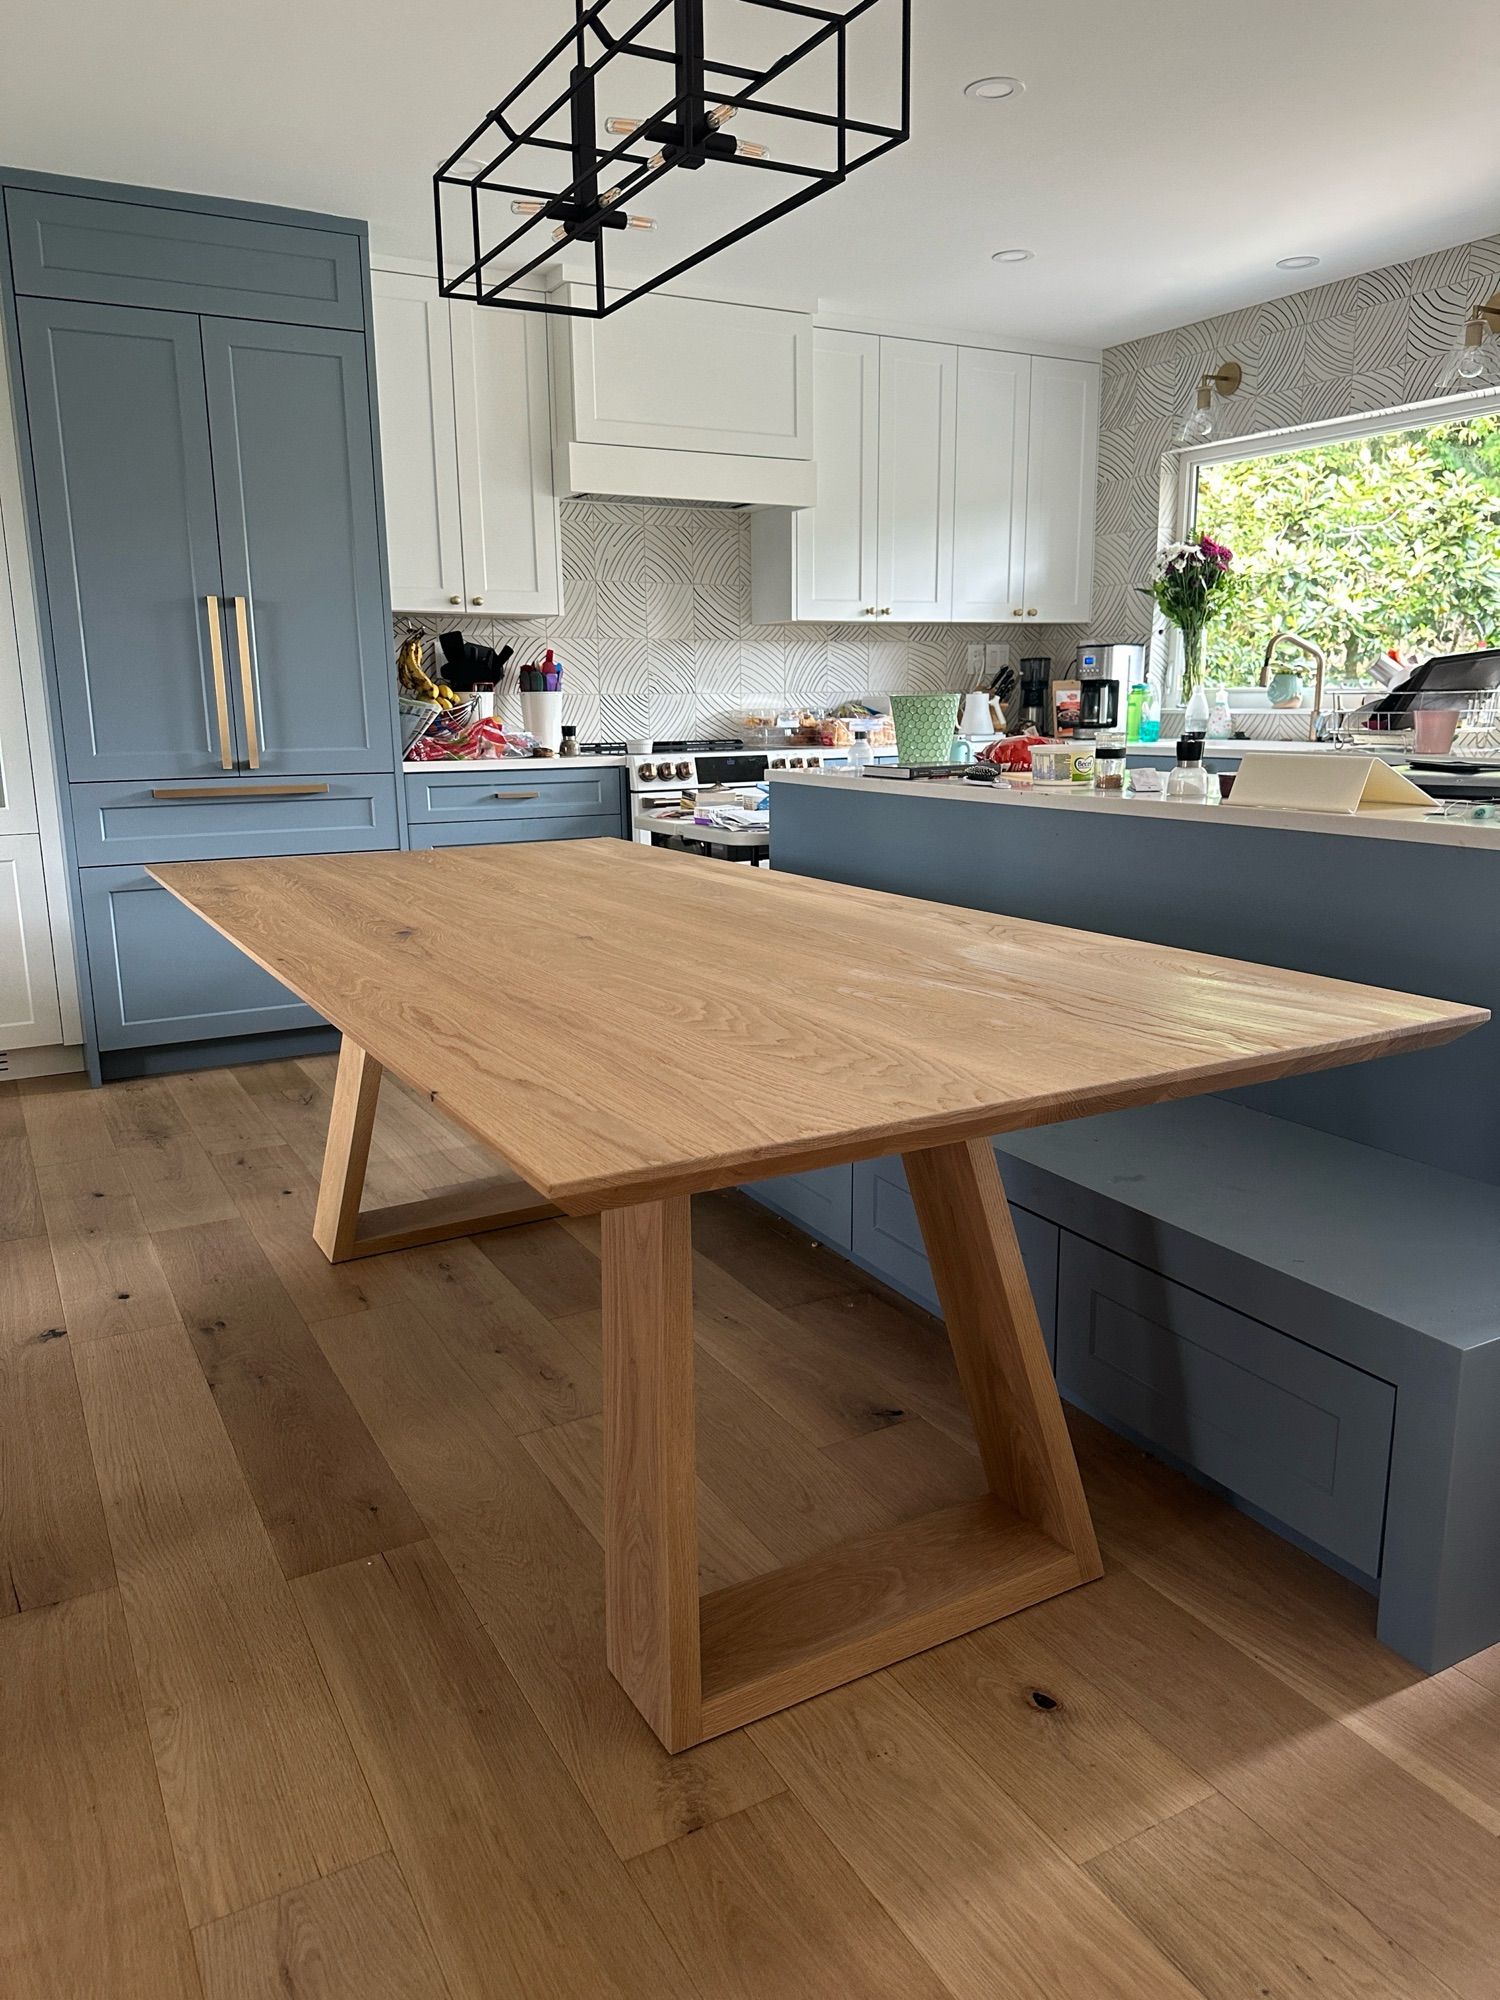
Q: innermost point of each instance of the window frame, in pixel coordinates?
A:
(1297, 437)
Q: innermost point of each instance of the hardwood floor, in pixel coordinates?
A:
(302, 1637)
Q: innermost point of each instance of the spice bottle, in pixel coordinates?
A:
(1189, 781)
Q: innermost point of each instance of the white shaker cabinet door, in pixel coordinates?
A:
(989, 512)
(836, 540)
(508, 501)
(29, 1012)
(418, 442)
(918, 422)
(1062, 465)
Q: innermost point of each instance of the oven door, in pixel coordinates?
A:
(654, 798)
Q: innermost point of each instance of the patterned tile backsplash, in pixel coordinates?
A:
(656, 636)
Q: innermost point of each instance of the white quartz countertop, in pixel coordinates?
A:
(1387, 823)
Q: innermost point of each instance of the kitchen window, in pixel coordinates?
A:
(1366, 537)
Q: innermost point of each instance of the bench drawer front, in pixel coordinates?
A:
(240, 818)
(121, 253)
(888, 1239)
(503, 792)
(491, 832)
(160, 974)
(1284, 1426)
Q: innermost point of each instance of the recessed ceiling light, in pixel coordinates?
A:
(994, 86)
(1012, 256)
(1297, 263)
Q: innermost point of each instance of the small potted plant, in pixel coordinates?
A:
(1193, 583)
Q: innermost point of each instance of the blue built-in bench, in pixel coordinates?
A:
(1293, 1293)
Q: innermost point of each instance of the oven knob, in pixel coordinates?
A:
(684, 770)
(795, 764)
(646, 772)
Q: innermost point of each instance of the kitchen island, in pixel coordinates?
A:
(1291, 1289)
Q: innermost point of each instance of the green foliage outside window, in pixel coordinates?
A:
(1361, 545)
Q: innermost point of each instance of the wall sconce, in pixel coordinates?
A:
(1476, 359)
(1198, 426)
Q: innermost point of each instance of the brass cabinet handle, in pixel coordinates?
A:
(885, 611)
(517, 795)
(1031, 611)
(455, 600)
(247, 681)
(221, 685)
(476, 600)
(239, 791)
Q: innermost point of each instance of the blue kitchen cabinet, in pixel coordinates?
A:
(188, 257)
(820, 1201)
(867, 1212)
(516, 789)
(196, 402)
(299, 541)
(130, 546)
(162, 975)
(211, 543)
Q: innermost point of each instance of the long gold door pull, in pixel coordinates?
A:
(221, 685)
(247, 681)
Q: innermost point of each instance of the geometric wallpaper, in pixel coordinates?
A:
(1374, 342)
(656, 636)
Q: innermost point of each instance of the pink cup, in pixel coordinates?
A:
(1435, 729)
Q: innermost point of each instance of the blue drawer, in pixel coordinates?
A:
(226, 819)
(122, 253)
(888, 1241)
(821, 1202)
(505, 790)
(1292, 1430)
(490, 832)
(160, 974)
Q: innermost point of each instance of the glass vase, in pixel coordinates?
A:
(1192, 659)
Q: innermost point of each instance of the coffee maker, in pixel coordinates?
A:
(1105, 676)
(1035, 677)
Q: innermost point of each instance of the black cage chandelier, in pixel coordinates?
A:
(480, 189)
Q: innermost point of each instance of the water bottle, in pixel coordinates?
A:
(1150, 716)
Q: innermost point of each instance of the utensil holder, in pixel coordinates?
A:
(541, 717)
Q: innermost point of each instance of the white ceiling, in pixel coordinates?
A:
(1159, 162)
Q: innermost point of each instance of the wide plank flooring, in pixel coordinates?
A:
(302, 1682)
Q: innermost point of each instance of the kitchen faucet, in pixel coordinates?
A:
(1281, 637)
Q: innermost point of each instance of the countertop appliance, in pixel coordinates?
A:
(1105, 675)
(1036, 674)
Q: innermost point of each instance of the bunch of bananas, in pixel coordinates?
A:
(415, 679)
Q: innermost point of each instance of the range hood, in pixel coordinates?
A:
(695, 400)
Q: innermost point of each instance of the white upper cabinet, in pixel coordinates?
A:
(989, 509)
(506, 498)
(418, 442)
(1062, 466)
(833, 560)
(918, 420)
(982, 491)
(465, 423)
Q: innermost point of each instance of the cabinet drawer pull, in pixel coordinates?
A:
(517, 795)
(221, 685)
(239, 791)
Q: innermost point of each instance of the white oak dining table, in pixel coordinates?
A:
(625, 1027)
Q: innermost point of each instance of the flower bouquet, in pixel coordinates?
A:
(1193, 583)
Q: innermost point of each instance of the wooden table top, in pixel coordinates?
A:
(622, 1022)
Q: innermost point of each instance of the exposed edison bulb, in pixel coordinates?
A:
(752, 150)
(656, 160)
(526, 208)
(722, 113)
(641, 222)
(622, 127)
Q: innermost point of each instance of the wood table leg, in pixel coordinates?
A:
(650, 1480)
(342, 1230)
(697, 1668)
(997, 1342)
(346, 1152)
